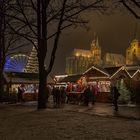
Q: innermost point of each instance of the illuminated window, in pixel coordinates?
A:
(77, 54)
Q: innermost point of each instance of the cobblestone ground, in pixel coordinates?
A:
(26, 123)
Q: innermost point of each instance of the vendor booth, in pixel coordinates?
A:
(99, 79)
(102, 79)
(29, 81)
(74, 88)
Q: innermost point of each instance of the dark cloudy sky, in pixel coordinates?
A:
(115, 32)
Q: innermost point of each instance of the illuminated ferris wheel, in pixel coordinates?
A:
(16, 63)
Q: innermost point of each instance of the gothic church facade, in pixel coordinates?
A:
(81, 60)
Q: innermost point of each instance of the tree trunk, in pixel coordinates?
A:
(1, 83)
(42, 94)
(2, 46)
(42, 50)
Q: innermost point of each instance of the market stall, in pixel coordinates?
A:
(99, 79)
(74, 88)
(29, 82)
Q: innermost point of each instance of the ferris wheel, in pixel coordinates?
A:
(16, 63)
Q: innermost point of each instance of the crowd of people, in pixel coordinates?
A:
(62, 95)
(86, 96)
(59, 96)
(81, 95)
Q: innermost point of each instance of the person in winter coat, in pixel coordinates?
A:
(116, 95)
(88, 95)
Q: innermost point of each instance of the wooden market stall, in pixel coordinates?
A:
(99, 79)
(127, 80)
(29, 80)
(103, 79)
(74, 88)
(135, 85)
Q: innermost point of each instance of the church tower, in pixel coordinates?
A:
(133, 53)
(96, 50)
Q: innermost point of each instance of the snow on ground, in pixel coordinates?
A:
(26, 123)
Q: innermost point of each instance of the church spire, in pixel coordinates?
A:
(97, 42)
(95, 35)
(94, 40)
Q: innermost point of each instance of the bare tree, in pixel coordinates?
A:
(8, 39)
(42, 21)
(2, 40)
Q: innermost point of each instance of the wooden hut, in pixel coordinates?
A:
(99, 78)
(29, 80)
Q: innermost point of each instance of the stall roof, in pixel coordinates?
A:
(21, 78)
(132, 69)
(131, 72)
(112, 70)
(106, 72)
(96, 71)
(71, 78)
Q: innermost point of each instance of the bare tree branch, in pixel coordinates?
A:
(33, 5)
(56, 39)
(62, 28)
(26, 19)
(22, 35)
(130, 9)
(136, 3)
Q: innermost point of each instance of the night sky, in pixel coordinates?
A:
(114, 31)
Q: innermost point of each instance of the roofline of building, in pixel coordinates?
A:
(93, 67)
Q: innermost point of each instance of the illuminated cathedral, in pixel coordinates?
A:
(81, 59)
(133, 53)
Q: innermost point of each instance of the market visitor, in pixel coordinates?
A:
(93, 93)
(56, 97)
(116, 95)
(20, 93)
(88, 96)
(63, 95)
